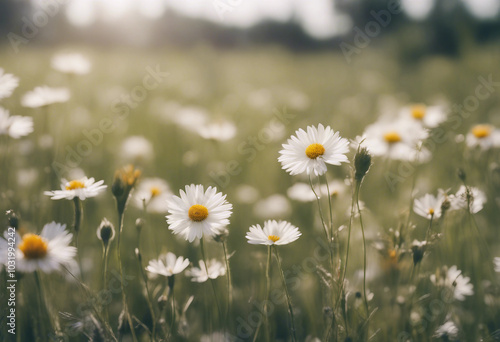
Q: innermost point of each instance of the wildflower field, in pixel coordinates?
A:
(203, 194)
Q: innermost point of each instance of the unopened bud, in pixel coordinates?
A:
(106, 231)
(362, 163)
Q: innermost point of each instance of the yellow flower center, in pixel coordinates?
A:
(273, 238)
(155, 191)
(198, 213)
(75, 184)
(33, 246)
(431, 211)
(313, 151)
(392, 137)
(418, 111)
(392, 254)
(481, 131)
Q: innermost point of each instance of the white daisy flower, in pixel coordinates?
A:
(155, 191)
(448, 330)
(198, 212)
(71, 63)
(273, 233)
(396, 140)
(485, 136)
(82, 188)
(46, 252)
(429, 206)
(454, 281)
(199, 274)
(427, 116)
(15, 126)
(459, 200)
(190, 118)
(302, 192)
(136, 149)
(496, 261)
(167, 265)
(8, 83)
(246, 194)
(221, 131)
(44, 96)
(310, 152)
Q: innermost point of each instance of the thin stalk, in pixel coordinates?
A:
(76, 226)
(120, 267)
(364, 253)
(329, 206)
(268, 290)
(105, 278)
(40, 303)
(429, 228)
(290, 309)
(211, 280)
(148, 299)
(229, 285)
(320, 213)
(172, 298)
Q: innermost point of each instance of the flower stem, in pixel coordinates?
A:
(268, 290)
(105, 278)
(76, 226)
(290, 309)
(121, 214)
(229, 285)
(211, 280)
(364, 253)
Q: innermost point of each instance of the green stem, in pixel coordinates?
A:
(105, 279)
(211, 280)
(229, 285)
(121, 214)
(76, 226)
(290, 309)
(268, 290)
(364, 252)
(320, 213)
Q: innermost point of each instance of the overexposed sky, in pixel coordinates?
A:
(318, 17)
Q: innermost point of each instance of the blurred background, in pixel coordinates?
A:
(232, 80)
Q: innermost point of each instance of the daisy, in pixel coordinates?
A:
(273, 233)
(167, 265)
(15, 126)
(275, 205)
(429, 206)
(199, 275)
(302, 192)
(485, 136)
(496, 261)
(476, 200)
(136, 148)
(310, 152)
(8, 83)
(448, 330)
(427, 116)
(46, 252)
(454, 281)
(221, 131)
(395, 140)
(82, 188)
(198, 212)
(155, 191)
(71, 63)
(44, 96)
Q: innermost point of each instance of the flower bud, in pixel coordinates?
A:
(106, 232)
(13, 219)
(362, 163)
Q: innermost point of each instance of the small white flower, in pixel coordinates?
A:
(496, 261)
(71, 63)
(44, 96)
(448, 329)
(167, 265)
(427, 116)
(221, 131)
(155, 191)
(198, 212)
(273, 233)
(396, 139)
(302, 192)
(15, 126)
(476, 199)
(246, 194)
(82, 188)
(136, 149)
(8, 83)
(310, 152)
(456, 282)
(199, 275)
(484, 135)
(429, 206)
(46, 252)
